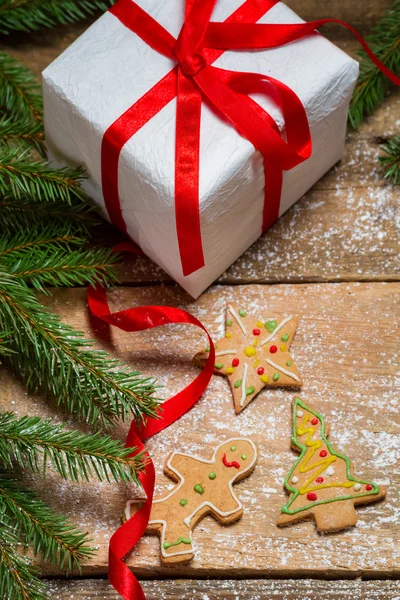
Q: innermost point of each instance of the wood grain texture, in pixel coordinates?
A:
(347, 350)
(233, 590)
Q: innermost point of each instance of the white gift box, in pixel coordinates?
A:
(108, 68)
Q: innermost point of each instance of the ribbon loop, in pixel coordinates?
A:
(191, 64)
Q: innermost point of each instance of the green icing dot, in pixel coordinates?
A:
(250, 390)
(242, 313)
(243, 457)
(229, 322)
(270, 325)
(218, 365)
(237, 383)
(180, 540)
(212, 475)
(275, 376)
(208, 349)
(183, 502)
(289, 363)
(233, 448)
(199, 488)
(285, 337)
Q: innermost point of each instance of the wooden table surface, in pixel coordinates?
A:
(333, 259)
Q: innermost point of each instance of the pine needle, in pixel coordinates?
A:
(20, 94)
(391, 160)
(51, 535)
(22, 133)
(372, 85)
(18, 579)
(22, 214)
(32, 15)
(33, 442)
(21, 176)
(54, 358)
(58, 267)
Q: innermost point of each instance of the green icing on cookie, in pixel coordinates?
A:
(285, 337)
(198, 488)
(289, 363)
(183, 502)
(212, 475)
(237, 383)
(229, 322)
(275, 376)
(218, 365)
(242, 313)
(250, 390)
(270, 325)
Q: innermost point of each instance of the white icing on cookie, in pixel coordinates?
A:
(295, 479)
(243, 398)
(357, 486)
(223, 352)
(299, 413)
(206, 503)
(330, 471)
(277, 328)
(282, 370)
(237, 319)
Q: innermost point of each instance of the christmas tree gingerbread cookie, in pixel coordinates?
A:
(253, 354)
(321, 484)
(203, 487)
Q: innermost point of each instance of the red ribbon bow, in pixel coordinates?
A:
(193, 80)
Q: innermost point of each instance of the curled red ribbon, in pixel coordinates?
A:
(140, 319)
(194, 80)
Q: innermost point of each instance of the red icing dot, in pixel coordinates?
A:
(319, 480)
(314, 421)
(323, 453)
(235, 362)
(311, 496)
(369, 487)
(260, 371)
(273, 349)
(256, 332)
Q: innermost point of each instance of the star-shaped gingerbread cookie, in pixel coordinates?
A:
(254, 353)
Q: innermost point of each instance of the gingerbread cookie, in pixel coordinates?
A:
(204, 487)
(254, 354)
(321, 484)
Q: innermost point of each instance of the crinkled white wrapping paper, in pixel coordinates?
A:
(108, 68)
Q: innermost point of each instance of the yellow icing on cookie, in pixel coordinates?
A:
(229, 370)
(264, 378)
(250, 351)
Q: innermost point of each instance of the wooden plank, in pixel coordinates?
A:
(188, 589)
(347, 350)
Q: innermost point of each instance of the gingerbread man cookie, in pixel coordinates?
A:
(204, 487)
(253, 354)
(322, 484)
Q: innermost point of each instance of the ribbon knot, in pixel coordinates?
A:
(191, 64)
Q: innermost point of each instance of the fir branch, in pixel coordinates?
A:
(30, 441)
(21, 176)
(391, 159)
(22, 214)
(20, 95)
(31, 15)
(51, 535)
(23, 133)
(16, 246)
(372, 85)
(18, 579)
(66, 269)
(55, 358)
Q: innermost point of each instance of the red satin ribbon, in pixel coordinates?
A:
(140, 319)
(194, 80)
